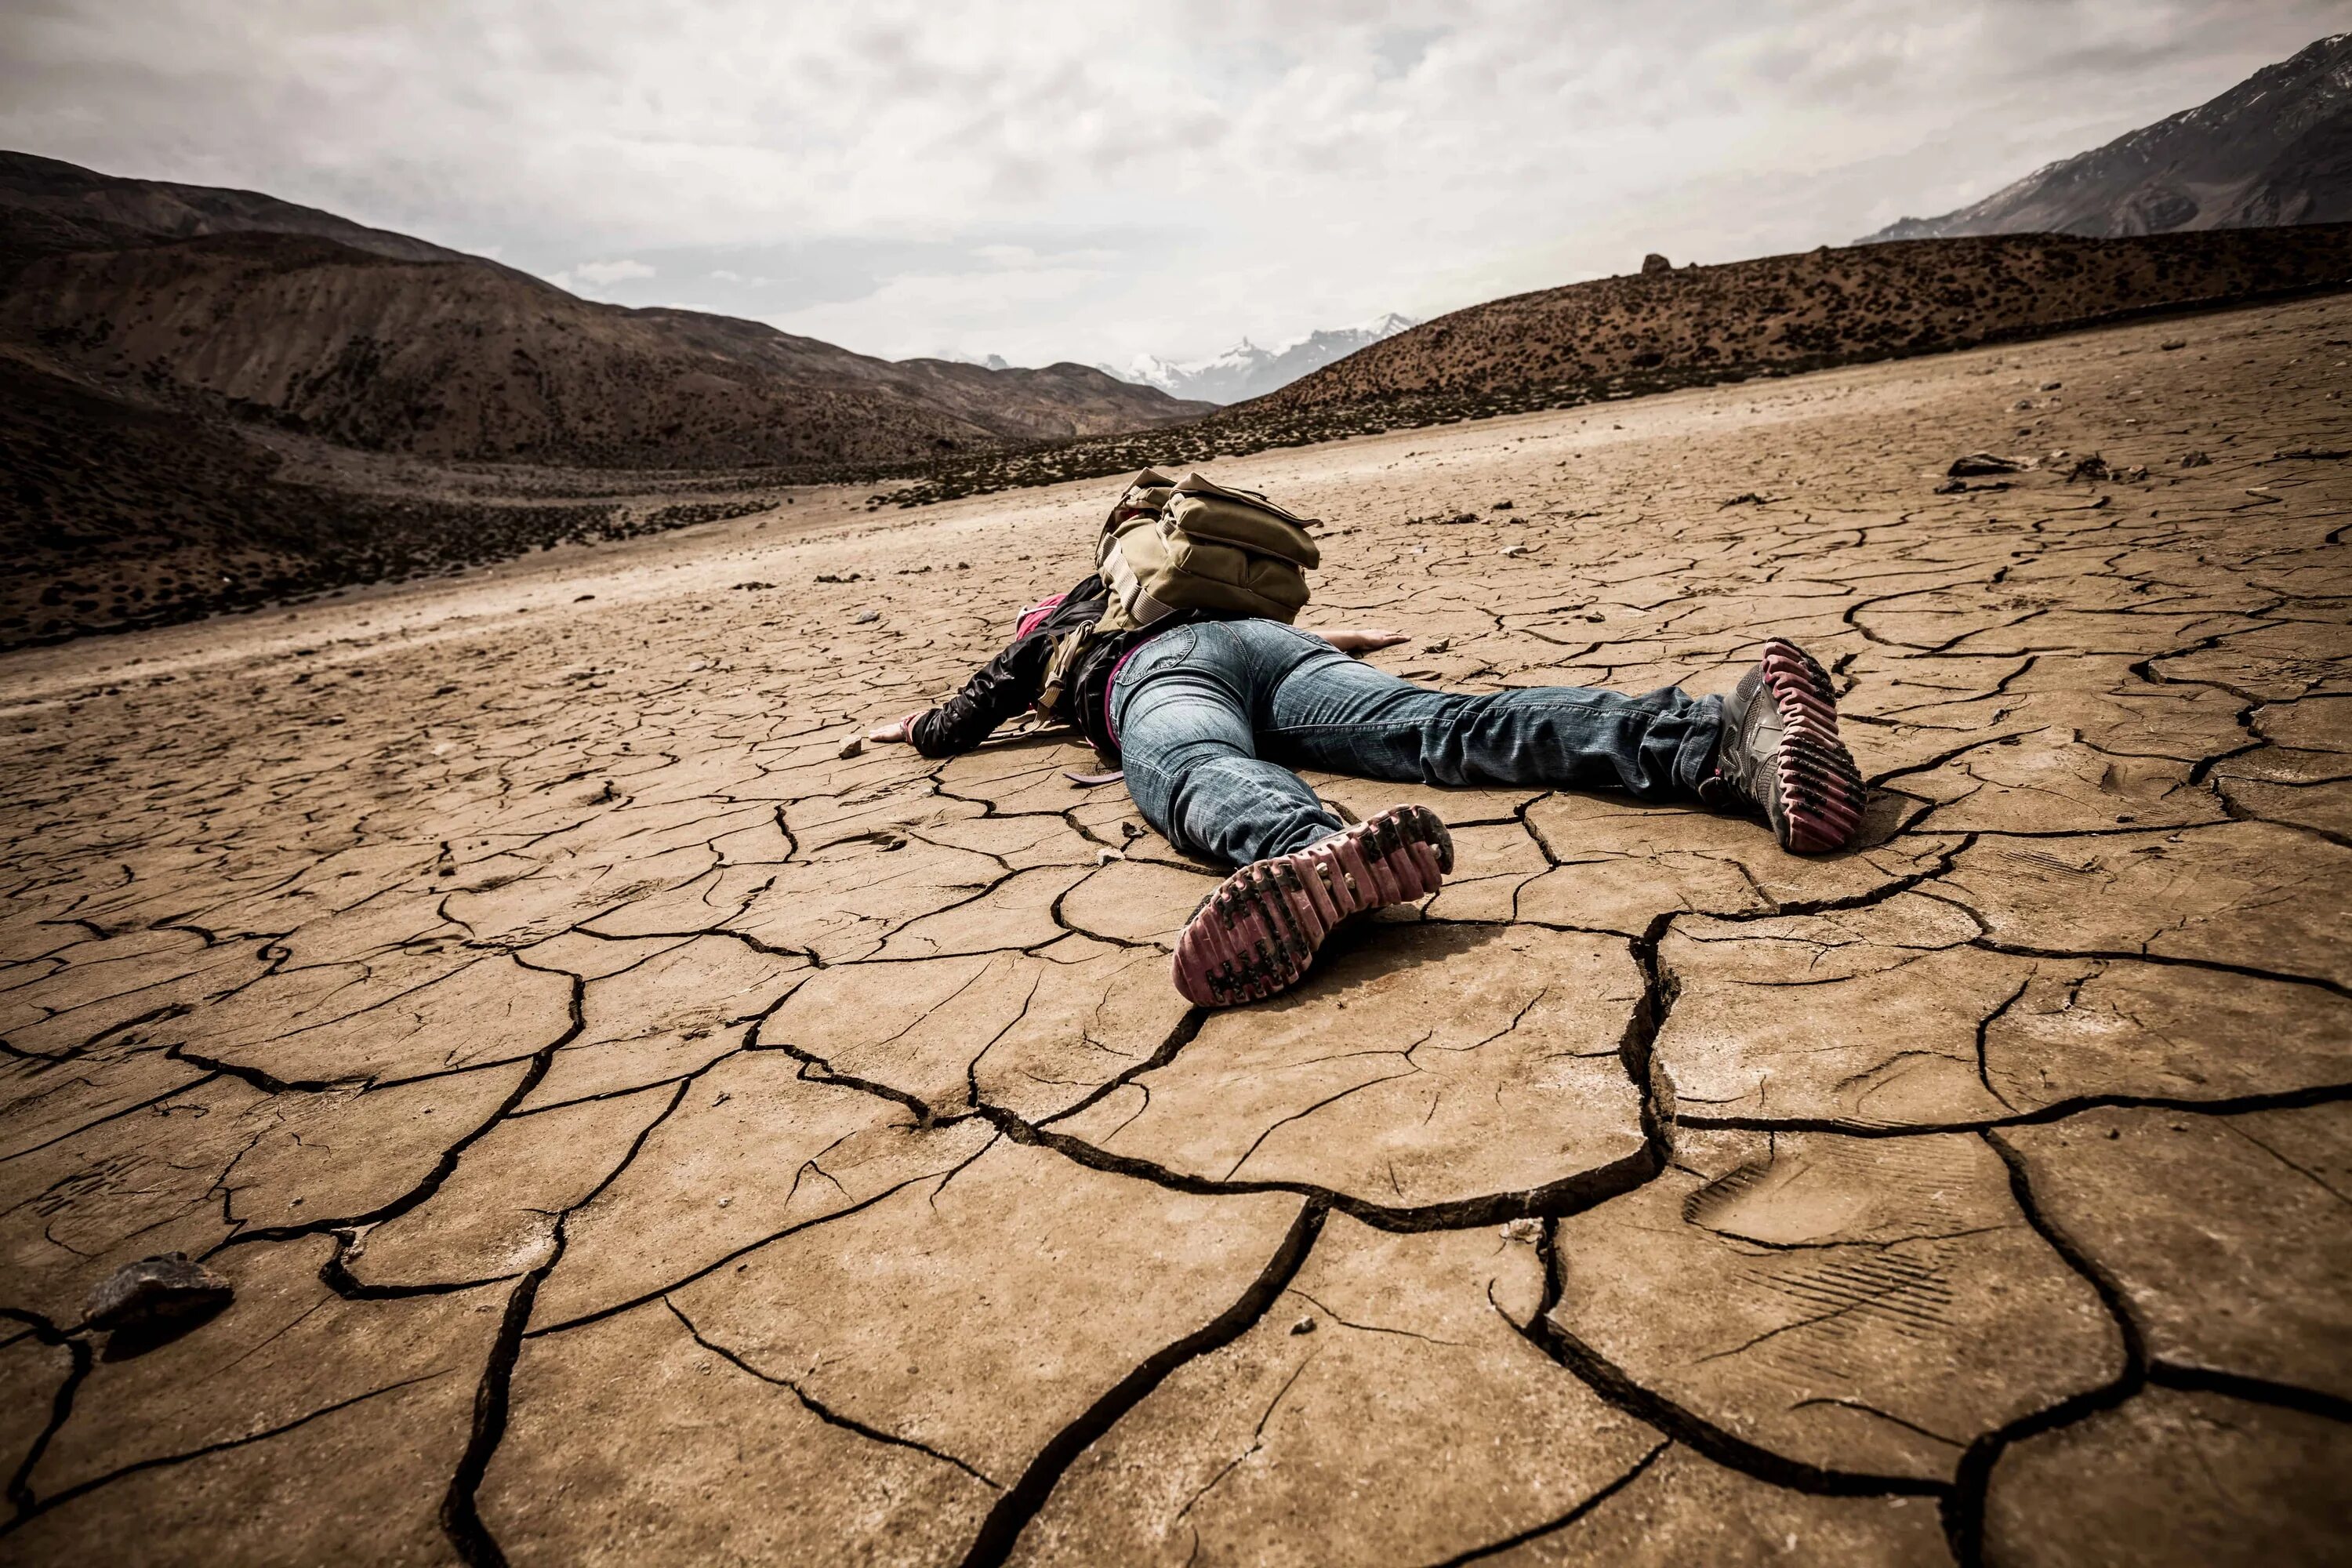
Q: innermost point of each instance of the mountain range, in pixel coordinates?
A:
(1246, 371)
(2275, 149)
(1659, 329)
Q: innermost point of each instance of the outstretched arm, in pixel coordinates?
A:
(997, 690)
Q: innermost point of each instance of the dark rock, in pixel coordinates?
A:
(2195, 460)
(1985, 463)
(154, 1290)
(1654, 262)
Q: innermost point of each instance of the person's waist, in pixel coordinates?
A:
(1110, 684)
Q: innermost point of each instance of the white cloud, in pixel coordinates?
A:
(603, 273)
(1084, 179)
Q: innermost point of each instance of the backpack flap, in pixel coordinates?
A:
(1209, 574)
(1212, 511)
(1187, 574)
(1256, 527)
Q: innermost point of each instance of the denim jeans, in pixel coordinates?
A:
(1212, 717)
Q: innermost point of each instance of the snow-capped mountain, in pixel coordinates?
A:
(1246, 371)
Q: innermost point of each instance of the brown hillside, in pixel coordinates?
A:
(466, 360)
(1825, 305)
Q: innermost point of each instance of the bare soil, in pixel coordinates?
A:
(640, 1126)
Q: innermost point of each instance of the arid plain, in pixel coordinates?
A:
(640, 1128)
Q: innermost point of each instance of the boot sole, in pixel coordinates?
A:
(1821, 791)
(1259, 931)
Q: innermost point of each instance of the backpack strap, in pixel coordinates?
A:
(1132, 607)
(1060, 665)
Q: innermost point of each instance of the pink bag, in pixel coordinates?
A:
(1037, 612)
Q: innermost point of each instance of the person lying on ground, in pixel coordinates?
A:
(1209, 716)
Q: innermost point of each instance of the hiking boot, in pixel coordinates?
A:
(1258, 932)
(1780, 753)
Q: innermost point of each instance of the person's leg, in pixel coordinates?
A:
(1772, 750)
(1334, 712)
(1182, 711)
(1185, 710)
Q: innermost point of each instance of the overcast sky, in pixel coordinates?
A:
(1094, 179)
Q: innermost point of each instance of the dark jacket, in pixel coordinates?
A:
(1009, 682)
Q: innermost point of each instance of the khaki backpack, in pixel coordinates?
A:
(1193, 544)
(1190, 544)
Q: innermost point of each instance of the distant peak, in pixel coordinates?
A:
(1250, 369)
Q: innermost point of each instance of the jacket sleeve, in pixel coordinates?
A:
(997, 692)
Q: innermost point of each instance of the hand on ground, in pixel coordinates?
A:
(1363, 639)
(898, 732)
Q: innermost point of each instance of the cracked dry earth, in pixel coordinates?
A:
(638, 1132)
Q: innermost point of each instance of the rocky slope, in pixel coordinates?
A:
(2275, 149)
(1785, 311)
